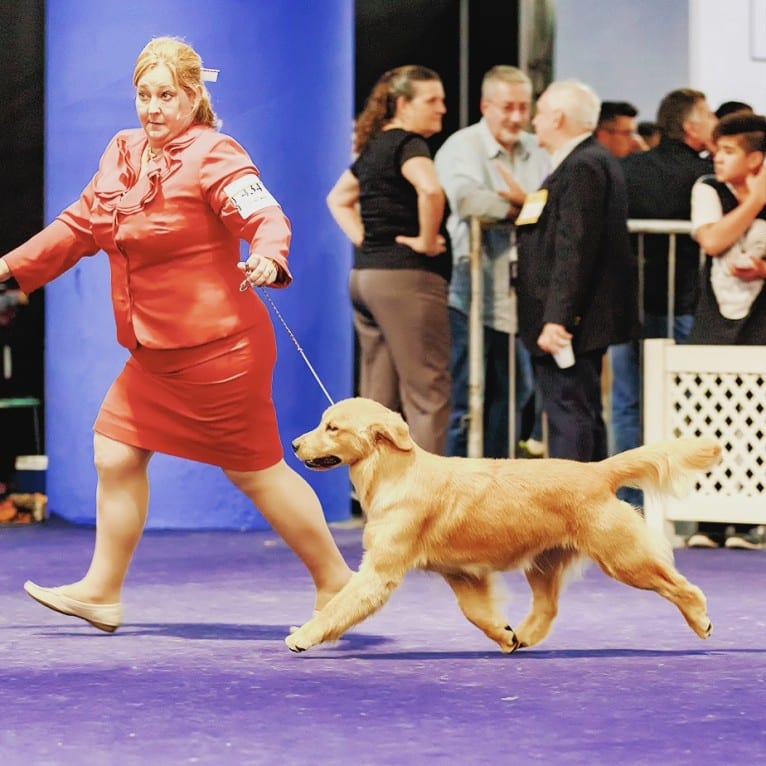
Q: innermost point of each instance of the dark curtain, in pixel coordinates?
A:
(428, 32)
(22, 64)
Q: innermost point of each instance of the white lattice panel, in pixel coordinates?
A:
(715, 391)
(724, 405)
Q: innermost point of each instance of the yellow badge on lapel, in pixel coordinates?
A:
(532, 208)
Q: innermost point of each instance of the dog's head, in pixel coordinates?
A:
(349, 431)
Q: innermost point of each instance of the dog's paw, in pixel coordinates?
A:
(702, 626)
(509, 642)
(294, 644)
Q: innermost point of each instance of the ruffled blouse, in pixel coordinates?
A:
(172, 236)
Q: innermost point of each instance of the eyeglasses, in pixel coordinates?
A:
(509, 109)
(621, 132)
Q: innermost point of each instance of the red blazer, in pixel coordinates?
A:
(172, 238)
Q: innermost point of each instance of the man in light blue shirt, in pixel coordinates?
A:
(486, 170)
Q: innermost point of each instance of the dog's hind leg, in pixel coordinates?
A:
(477, 599)
(546, 575)
(629, 551)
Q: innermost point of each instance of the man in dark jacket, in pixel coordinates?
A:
(577, 276)
(659, 184)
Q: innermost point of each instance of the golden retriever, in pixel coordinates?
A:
(467, 518)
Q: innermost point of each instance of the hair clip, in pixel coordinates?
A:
(210, 75)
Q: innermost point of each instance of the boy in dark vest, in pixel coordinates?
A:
(729, 222)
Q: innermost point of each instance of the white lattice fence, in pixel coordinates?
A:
(715, 391)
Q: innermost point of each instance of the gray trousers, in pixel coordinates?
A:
(402, 324)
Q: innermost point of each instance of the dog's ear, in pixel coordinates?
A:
(392, 428)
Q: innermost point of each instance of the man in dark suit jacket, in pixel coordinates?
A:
(659, 186)
(577, 279)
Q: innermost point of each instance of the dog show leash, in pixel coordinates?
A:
(292, 337)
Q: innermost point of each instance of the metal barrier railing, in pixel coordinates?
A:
(659, 226)
(475, 444)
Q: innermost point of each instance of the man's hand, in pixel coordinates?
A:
(750, 273)
(553, 337)
(756, 185)
(514, 194)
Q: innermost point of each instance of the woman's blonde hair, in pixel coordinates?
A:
(185, 64)
(380, 107)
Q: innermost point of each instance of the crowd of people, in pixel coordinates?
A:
(556, 185)
(559, 270)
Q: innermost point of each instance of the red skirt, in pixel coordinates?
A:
(211, 403)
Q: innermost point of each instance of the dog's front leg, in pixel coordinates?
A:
(366, 591)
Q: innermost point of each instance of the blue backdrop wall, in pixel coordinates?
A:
(285, 93)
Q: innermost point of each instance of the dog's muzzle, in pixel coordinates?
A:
(319, 463)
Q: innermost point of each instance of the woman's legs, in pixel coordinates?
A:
(122, 501)
(293, 510)
(285, 499)
(378, 378)
(409, 309)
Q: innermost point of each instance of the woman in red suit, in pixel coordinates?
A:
(169, 205)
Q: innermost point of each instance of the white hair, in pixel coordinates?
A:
(576, 100)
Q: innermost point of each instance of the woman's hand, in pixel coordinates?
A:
(421, 173)
(5, 272)
(258, 270)
(421, 245)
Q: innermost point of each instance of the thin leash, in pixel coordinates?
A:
(295, 341)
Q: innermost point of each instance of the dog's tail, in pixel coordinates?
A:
(664, 468)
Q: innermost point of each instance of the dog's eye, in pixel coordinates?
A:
(330, 427)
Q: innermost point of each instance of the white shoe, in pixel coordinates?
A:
(748, 542)
(698, 540)
(106, 617)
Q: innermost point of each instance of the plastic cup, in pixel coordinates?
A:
(565, 357)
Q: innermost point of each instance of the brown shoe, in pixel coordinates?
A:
(106, 617)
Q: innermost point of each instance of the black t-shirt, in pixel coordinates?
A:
(389, 205)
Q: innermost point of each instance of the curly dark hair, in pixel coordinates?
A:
(380, 107)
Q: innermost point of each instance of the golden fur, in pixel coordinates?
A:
(468, 518)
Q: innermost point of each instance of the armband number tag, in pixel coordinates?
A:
(249, 195)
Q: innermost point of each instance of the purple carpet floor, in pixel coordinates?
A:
(199, 673)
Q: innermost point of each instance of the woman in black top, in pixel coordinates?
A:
(391, 206)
